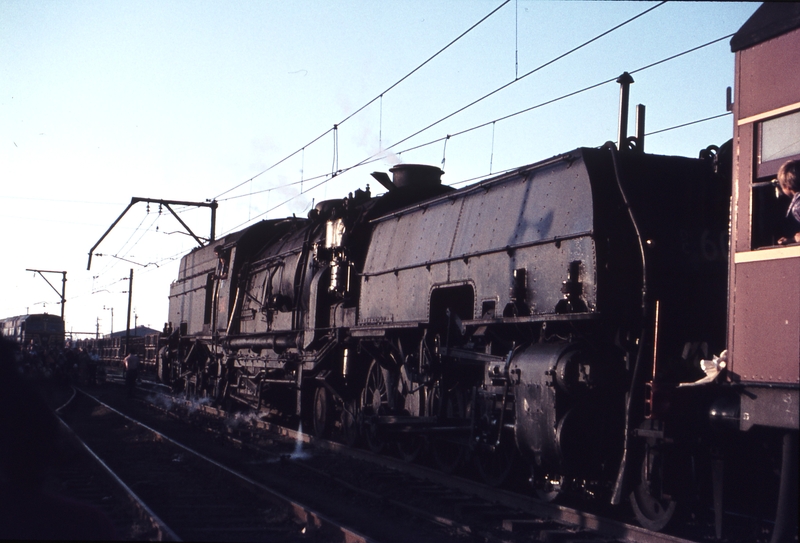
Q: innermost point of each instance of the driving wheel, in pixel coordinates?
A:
(375, 402)
(653, 509)
(323, 413)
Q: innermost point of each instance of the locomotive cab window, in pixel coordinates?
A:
(777, 141)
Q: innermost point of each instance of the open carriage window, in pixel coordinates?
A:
(777, 141)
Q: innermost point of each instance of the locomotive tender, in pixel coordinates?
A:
(555, 313)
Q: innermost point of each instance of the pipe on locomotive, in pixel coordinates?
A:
(622, 474)
(624, 81)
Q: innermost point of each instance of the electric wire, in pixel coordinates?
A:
(108, 264)
(478, 100)
(689, 123)
(378, 157)
(122, 248)
(520, 78)
(380, 96)
(562, 97)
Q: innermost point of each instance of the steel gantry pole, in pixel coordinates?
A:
(63, 285)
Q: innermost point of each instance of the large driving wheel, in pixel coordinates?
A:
(410, 445)
(323, 413)
(652, 509)
(375, 402)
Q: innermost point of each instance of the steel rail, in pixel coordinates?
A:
(558, 513)
(165, 532)
(302, 512)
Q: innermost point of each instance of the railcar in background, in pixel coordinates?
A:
(40, 331)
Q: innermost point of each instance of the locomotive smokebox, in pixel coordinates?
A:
(416, 175)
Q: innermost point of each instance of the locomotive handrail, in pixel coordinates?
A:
(379, 329)
(542, 317)
(475, 254)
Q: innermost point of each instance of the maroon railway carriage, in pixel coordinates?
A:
(764, 309)
(764, 287)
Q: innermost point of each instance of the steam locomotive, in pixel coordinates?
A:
(570, 313)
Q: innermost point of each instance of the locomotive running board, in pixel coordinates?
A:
(534, 319)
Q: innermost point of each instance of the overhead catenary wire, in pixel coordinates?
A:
(379, 96)
(377, 157)
(568, 95)
(689, 123)
(495, 91)
(118, 256)
(463, 108)
(327, 177)
(110, 265)
(520, 78)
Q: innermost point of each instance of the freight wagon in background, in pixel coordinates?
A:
(112, 349)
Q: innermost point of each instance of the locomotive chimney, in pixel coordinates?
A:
(416, 175)
(624, 81)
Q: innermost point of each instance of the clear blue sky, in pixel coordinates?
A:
(102, 101)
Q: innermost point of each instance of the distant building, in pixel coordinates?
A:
(139, 331)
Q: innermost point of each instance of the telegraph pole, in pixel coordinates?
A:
(128, 325)
(112, 319)
(63, 285)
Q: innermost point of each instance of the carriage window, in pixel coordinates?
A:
(780, 137)
(778, 140)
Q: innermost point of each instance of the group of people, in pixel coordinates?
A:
(75, 364)
(30, 448)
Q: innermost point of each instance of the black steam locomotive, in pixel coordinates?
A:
(555, 314)
(511, 315)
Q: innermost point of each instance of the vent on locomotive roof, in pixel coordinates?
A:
(410, 175)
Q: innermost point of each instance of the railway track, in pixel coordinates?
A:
(382, 489)
(86, 477)
(187, 494)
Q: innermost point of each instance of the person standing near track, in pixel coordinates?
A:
(131, 372)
